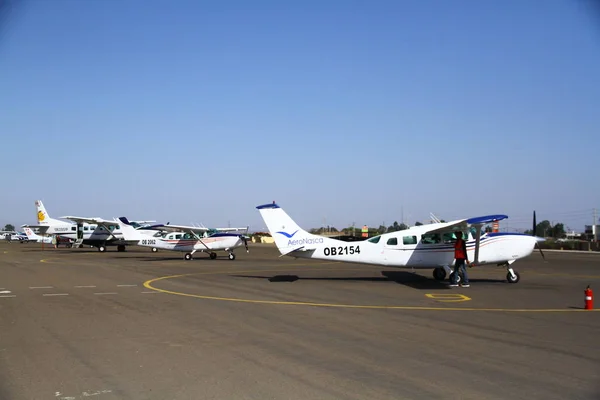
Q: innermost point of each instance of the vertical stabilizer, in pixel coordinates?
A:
(42, 215)
(287, 234)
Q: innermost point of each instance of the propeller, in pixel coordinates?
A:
(534, 235)
(245, 240)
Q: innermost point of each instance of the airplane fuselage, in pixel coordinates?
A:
(219, 241)
(405, 249)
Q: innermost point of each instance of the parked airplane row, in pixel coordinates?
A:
(100, 233)
(419, 247)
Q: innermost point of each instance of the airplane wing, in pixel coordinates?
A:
(194, 229)
(246, 228)
(180, 228)
(88, 220)
(463, 224)
(98, 221)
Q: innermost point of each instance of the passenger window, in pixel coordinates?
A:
(178, 236)
(392, 241)
(85, 228)
(73, 228)
(431, 238)
(374, 240)
(93, 228)
(409, 240)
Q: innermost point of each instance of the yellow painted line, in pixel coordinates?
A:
(448, 298)
(148, 284)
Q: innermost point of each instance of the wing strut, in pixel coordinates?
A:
(199, 239)
(477, 241)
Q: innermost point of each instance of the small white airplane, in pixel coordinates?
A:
(187, 239)
(96, 232)
(34, 237)
(419, 247)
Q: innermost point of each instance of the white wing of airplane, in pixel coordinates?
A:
(194, 229)
(98, 221)
(462, 224)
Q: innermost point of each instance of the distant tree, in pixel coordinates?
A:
(558, 231)
(543, 229)
(381, 229)
(395, 227)
(9, 227)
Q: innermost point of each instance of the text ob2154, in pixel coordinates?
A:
(341, 250)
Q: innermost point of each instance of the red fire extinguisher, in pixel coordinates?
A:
(589, 298)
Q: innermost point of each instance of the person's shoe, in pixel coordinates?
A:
(464, 285)
(453, 285)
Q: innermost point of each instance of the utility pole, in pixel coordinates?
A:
(594, 230)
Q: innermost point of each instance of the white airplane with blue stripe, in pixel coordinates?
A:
(419, 247)
(187, 239)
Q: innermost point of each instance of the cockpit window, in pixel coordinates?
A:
(431, 238)
(450, 237)
(392, 241)
(374, 239)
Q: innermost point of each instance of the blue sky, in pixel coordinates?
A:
(353, 111)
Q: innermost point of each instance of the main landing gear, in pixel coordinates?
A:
(212, 255)
(102, 248)
(440, 273)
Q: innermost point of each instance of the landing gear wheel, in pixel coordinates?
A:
(439, 274)
(188, 256)
(121, 247)
(213, 255)
(513, 279)
(101, 249)
(154, 249)
(231, 256)
(458, 281)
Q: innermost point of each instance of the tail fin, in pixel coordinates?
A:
(42, 215)
(30, 234)
(287, 234)
(129, 232)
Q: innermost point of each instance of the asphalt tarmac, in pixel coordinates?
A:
(76, 323)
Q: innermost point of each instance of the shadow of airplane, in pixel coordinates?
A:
(406, 278)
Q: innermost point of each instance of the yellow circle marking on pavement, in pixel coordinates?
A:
(148, 284)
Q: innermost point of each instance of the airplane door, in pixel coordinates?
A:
(411, 255)
(80, 230)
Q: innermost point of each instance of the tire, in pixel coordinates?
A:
(459, 280)
(510, 279)
(439, 274)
